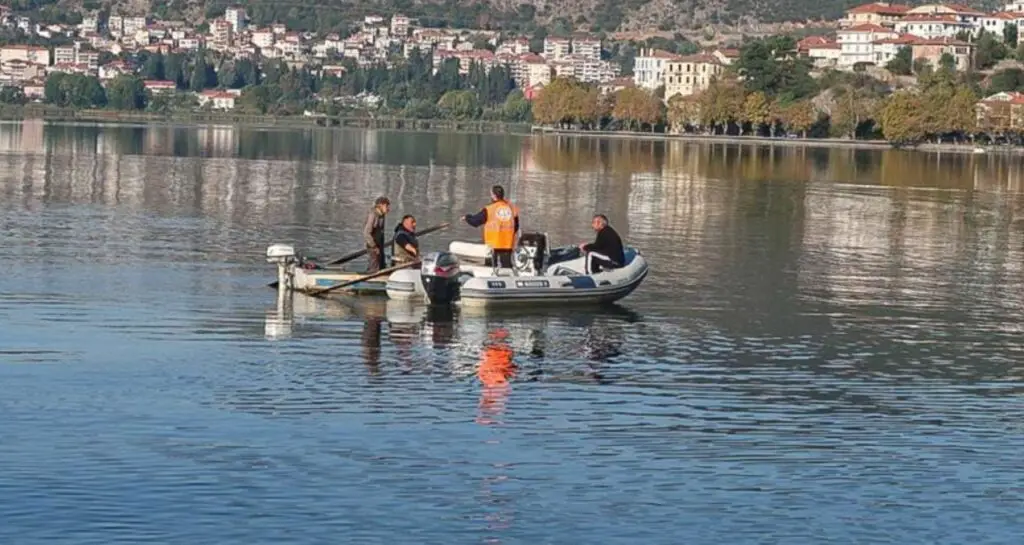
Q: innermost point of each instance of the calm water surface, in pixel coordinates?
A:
(828, 349)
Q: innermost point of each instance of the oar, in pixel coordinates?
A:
(349, 257)
(324, 291)
(360, 253)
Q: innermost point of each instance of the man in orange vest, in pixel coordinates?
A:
(501, 223)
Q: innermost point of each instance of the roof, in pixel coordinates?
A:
(700, 58)
(816, 42)
(942, 41)
(1012, 97)
(867, 28)
(658, 54)
(1005, 15)
(932, 18)
(880, 8)
(218, 94)
(531, 58)
(902, 39)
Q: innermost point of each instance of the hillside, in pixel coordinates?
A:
(513, 15)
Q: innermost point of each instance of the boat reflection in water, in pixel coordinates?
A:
(494, 346)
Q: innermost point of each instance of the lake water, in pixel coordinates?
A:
(828, 348)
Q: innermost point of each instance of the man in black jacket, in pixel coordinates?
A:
(606, 251)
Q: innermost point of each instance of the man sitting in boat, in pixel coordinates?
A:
(406, 248)
(501, 223)
(606, 251)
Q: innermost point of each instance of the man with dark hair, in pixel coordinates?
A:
(406, 248)
(501, 223)
(606, 251)
(373, 234)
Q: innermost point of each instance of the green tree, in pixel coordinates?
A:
(460, 105)
(516, 108)
(756, 111)
(901, 118)
(636, 107)
(1010, 79)
(126, 92)
(721, 103)
(153, 68)
(683, 111)
(947, 62)
(200, 80)
(74, 90)
(773, 67)
(10, 94)
(419, 108)
(799, 117)
(1010, 35)
(901, 64)
(988, 50)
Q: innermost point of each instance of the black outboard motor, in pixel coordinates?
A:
(536, 249)
(439, 272)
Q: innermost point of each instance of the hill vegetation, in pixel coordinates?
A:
(524, 16)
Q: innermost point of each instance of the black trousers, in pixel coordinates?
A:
(502, 258)
(598, 262)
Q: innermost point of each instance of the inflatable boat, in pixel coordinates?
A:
(466, 275)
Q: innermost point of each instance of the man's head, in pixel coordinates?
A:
(409, 222)
(599, 222)
(383, 204)
(497, 193)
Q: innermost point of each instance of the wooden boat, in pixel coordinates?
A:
(294, 275)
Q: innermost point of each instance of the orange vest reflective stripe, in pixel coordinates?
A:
(500, 229)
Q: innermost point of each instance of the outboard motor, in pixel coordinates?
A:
(531, 254)
(439, 272)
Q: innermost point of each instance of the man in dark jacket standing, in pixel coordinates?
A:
(373, 234)
(606, 251)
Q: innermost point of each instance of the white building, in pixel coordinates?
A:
(855, 43)
(236, 16)
(649, 67)
(937, 25)
(556, 48)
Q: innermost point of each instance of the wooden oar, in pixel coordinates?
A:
(324, 291)
(349, 257)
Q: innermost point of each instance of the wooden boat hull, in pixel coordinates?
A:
(306, 281)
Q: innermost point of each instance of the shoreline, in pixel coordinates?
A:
(832, 143)
(230, 119)
(71, 115)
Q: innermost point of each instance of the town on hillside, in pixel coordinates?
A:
(867, 39)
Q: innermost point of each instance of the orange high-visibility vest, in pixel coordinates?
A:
(500, 229)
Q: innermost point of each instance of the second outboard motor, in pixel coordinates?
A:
(439, 272)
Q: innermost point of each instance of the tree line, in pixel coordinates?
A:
(411, 88)
(942, 107)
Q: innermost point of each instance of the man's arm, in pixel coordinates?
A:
(476, 220)
(599, 245)
(403, 240)
(368, 229)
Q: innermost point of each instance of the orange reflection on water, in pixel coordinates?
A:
(495, 372)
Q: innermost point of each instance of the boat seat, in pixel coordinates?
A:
(470, 250)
